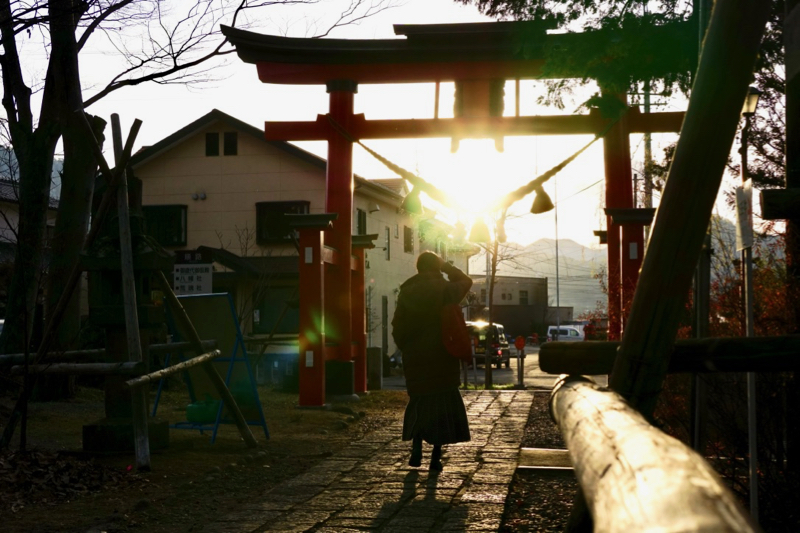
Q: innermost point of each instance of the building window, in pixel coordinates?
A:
(212, 144)
(388, 243)
(166, 223)
(271, 228)
(503, 296)
(523, 297)
(483, 296)
(408, 240)
(361, 222)
(230, 143)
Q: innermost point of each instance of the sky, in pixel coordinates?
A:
(475, 174)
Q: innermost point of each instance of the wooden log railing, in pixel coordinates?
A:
(126, 368)
(130, 368)
(633, 476)
(180, 367)
(735, 354)
(98, 355)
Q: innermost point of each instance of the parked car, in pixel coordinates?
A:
(564, 333)
(492, 341)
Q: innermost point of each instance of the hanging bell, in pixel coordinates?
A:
(412, 204)
(541, 202)
(480, 232)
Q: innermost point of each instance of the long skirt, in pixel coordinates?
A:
(437, 417)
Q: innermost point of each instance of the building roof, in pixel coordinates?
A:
(397, 185)
(148, 153)
(9, 192)
(281, 266)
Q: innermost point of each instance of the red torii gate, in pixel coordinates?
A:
(479, 57)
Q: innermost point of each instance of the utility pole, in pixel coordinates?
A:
(487, 355)
(647, 175)
(744, 207)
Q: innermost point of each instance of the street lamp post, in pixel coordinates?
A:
(744, 196)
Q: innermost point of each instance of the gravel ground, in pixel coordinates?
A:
(540, 501)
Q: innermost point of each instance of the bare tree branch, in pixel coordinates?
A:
(96, 22)
(350, 15)
(172, 48)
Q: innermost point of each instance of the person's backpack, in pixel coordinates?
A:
(455, 334)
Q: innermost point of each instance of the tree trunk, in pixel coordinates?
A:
(72, 222)
(35, 168)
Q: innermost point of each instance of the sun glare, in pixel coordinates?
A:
(477, 176)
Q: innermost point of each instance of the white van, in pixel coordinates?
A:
(565, 333)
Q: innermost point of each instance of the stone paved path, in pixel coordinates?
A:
(370, 487)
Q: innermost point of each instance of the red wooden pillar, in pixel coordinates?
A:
(358, 297)
(632, 254)
(614, 279)
(631, 222)
(339, 200)
(312, 319)
(619, 194)
(359, 320)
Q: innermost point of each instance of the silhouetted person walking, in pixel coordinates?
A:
(435, 411)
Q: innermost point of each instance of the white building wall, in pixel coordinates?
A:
(232, 185)
(507, 289)
(385, 275)
(260, 172)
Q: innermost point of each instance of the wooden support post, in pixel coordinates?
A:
(733, 40)
(187, 328)
(164, 372)
(75, 275)
(633, 476)
(134, 347)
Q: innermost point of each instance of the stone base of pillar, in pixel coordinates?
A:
(110, 435)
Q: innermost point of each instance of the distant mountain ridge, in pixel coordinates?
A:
(577, 267)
